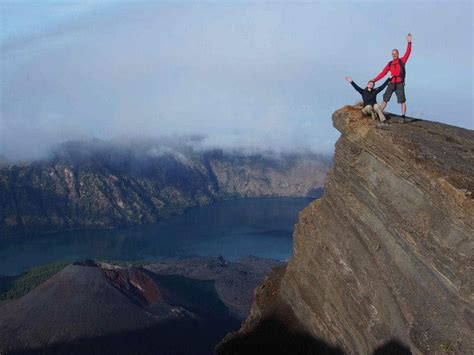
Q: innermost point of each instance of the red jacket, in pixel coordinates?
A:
(394, 67)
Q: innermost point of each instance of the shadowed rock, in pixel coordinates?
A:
(234, 282)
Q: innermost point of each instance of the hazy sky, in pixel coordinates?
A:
(246, 74)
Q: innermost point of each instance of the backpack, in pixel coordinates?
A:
(402, 69)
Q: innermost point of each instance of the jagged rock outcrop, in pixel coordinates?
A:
(109, 186)
(387, 253)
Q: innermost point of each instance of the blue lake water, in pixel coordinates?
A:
(233, 229)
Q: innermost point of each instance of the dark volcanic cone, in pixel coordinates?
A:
(100, 308)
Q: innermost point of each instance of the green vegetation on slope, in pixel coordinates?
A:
(13, 287)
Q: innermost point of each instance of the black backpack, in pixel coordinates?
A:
(402, 69)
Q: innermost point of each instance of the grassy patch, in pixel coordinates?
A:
(13, 287)
(447, 347)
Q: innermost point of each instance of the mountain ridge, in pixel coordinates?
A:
(105, 186)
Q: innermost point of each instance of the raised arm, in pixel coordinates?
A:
(382, 73)
(381, 87)
(408, 51)
(357, 87)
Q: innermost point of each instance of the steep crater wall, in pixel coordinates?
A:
(111, 187)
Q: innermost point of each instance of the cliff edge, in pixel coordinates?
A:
(386, 255)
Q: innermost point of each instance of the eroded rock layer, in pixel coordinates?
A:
(387, 253)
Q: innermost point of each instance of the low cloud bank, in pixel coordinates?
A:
(244, 76)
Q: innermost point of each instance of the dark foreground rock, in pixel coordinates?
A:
(99, 308)
(383, 262)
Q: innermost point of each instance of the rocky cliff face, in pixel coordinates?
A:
(387, 253)
(107, 186)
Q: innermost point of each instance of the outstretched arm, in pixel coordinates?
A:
(408, 51)
(357, 87)
(382, 73)
(381, 87)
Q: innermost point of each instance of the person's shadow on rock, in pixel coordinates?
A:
(393, 347)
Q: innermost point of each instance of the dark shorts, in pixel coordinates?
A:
(399, 89)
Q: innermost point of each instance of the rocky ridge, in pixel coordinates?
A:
(386, 256)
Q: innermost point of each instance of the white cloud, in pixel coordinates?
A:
(265, 75)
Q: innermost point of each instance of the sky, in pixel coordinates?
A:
(247, 75)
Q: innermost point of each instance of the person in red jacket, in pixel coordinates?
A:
(396, 67)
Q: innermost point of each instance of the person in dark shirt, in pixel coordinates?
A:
(369, 97)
